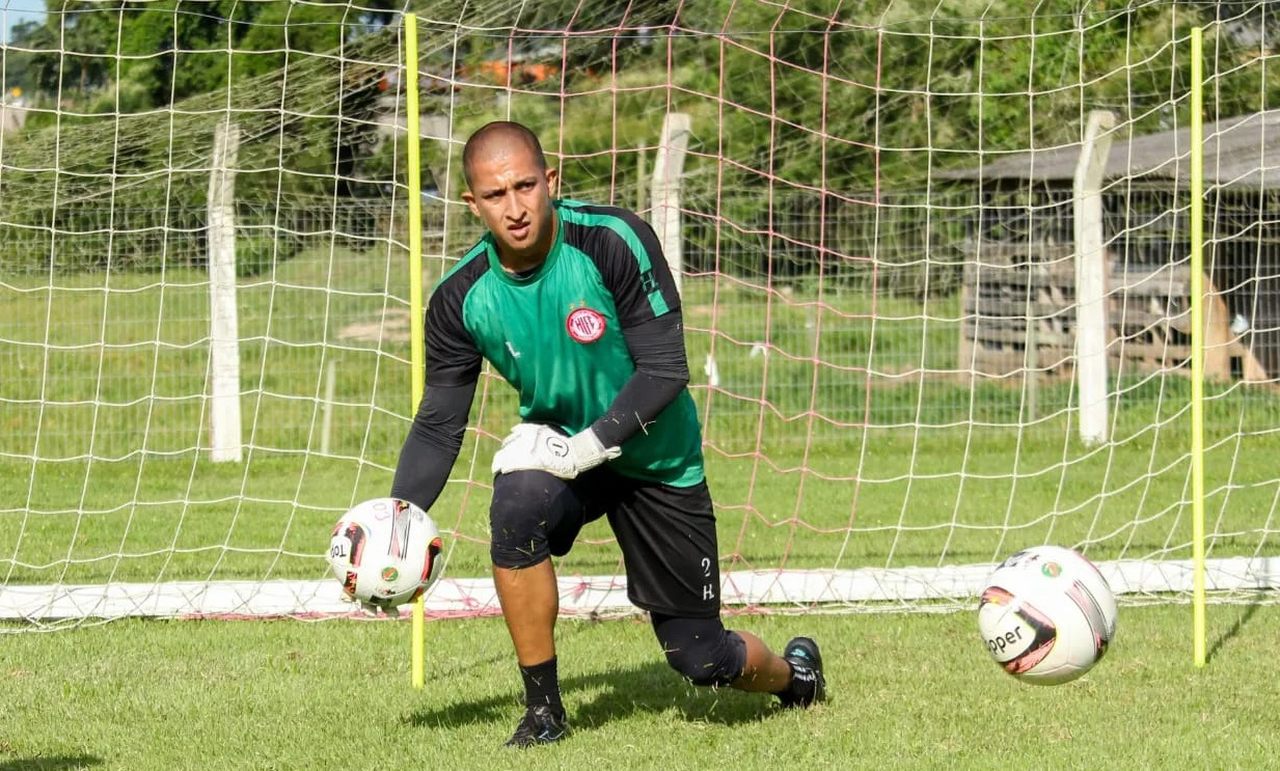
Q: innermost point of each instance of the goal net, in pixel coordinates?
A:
(934, 263)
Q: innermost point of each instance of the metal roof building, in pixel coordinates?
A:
(1019, 279)
(1241, 152)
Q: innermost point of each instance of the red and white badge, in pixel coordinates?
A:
(585, 325)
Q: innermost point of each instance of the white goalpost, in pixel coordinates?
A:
(935, 269)
(224, 334)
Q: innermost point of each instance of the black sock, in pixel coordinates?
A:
(803, 686)
(804, 681)
(542, 684)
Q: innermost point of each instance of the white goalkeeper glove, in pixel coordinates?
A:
(531, 447)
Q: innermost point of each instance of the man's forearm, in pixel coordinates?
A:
(662, 372)
(432, 445)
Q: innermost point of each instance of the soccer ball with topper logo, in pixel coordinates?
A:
(384, 552)
(1047, 615)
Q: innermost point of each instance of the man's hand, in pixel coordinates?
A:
(531, 447)
(372, 610)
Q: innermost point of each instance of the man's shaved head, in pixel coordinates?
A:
(510, 189)
(496, 134)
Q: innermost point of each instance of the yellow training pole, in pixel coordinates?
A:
(1197, 347)
(416, 352)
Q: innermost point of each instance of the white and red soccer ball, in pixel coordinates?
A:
(1047, 615)
(385, 552)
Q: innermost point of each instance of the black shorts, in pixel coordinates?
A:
(667, 534)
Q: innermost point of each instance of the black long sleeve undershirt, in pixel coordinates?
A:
(662, 372)
(433, 444)
(429, 452)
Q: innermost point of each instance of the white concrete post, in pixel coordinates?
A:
(224, 327)
(665, 190)
(326, 416)
(1091, 277)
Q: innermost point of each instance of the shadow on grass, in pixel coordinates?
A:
(1228, 635)
(56, 763)
(653, 687)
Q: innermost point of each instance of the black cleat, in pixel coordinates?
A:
(808, 686)
(540, 725)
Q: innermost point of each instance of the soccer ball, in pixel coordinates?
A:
(1047, 615)
(384, 552)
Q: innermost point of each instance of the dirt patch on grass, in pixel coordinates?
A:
(392, 327)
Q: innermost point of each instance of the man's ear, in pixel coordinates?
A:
(470, 200)
(553, 182)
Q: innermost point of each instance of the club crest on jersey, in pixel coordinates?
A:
(585, 325)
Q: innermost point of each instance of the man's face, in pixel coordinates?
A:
(512, 196)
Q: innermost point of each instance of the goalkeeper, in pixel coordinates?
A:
(575, 306)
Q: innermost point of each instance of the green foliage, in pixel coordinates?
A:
(875, 102)
(255, 255)
(170, 50)
(130, 178)
(908, 89)
(786, 100)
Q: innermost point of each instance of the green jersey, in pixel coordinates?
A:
(556, 333)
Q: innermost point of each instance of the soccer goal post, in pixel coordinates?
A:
(934, 312)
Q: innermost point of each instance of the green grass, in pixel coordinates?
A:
(835, 449)
(907, 691)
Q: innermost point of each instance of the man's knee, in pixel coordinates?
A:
(526, 508)
(701, 649)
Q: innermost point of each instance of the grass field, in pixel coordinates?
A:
(849, 439)
(908, 691)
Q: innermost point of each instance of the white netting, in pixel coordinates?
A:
(879, 221)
